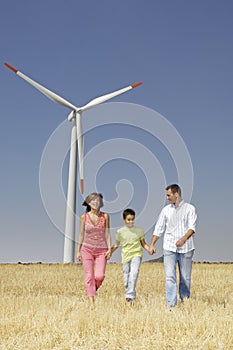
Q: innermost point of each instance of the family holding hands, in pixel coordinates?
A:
(177, 224)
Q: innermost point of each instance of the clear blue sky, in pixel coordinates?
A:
(181, 50)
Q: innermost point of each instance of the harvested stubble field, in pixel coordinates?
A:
(43, 307)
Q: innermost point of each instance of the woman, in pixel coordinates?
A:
(94, 244)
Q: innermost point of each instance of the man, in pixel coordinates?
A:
(177, 221)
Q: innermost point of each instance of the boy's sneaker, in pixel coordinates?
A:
(129, 300)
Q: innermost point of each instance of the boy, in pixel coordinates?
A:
(132, 240)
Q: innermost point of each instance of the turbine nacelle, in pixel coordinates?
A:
(74, 110)
(71, 116)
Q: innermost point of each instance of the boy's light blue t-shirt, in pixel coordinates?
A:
(129, 239)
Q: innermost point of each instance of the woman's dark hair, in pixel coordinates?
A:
(90, 197)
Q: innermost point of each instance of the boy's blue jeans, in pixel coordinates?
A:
(130, 272)
(184, 261)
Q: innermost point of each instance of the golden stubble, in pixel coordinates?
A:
(43, 307)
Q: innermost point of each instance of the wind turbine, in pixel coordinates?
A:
(77, 142)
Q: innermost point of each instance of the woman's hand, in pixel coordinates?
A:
(79, 257)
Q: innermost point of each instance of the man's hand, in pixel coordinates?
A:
(180, 242)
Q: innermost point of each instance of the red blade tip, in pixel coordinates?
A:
(82, 185)
(137, 84)
(10, 67)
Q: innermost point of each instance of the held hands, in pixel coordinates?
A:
(108, 254)
(152, 250)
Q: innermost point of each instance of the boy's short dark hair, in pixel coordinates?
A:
(128, 211)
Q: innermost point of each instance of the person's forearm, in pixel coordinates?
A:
(108, 239)
(146, 247)
(188, 234)
(107, 231)
(154, 240)
(114, 247)
(79, 246)
(80, 241)
(183, 239)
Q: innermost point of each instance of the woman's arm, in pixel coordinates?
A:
(80, 237)
(108, 235)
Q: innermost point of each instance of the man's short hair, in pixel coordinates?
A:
(174, 188)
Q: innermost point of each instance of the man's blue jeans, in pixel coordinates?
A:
(131, 271)
(184, 261)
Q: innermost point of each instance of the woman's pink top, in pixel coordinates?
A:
(95, 234)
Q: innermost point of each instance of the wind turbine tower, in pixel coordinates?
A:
(76, 146)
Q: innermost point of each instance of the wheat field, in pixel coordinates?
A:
(43, 307)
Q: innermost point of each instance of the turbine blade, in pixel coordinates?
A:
(51, 95)
(106, 97)
(80, 140)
